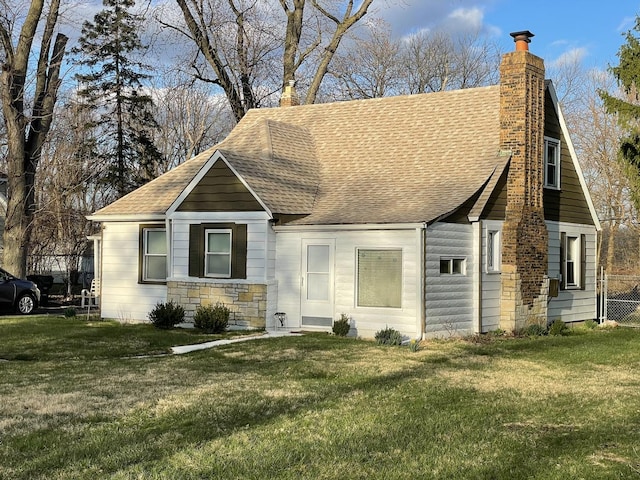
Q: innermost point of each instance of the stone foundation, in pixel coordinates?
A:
(247, 302)
(516, 314)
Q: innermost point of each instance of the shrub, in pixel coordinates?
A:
(388, 336)
(212, 318)
(341, 326)
(590, 324)
(535, 330)
(558, 327)
(69, 312)
(166, 315)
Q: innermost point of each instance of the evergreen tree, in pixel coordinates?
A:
(627, 108)
(111, 87)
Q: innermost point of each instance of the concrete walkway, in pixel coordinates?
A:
(262, 335)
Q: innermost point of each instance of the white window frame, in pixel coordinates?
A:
(208, 253)
(357, 277)
(572, 261)
(553, 183)
(146, 255)
(452, 263)
(493, 251)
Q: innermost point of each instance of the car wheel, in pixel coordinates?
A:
(26, 304)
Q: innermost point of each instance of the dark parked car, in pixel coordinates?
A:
(19, 295)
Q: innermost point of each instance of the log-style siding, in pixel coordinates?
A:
(448, 298)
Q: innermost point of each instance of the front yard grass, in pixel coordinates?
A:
(81, 400)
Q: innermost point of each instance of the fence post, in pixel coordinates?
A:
(605, 294)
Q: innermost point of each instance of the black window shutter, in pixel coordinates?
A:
(239, 261)
(196, 251)
(563, 261)
(583, 261)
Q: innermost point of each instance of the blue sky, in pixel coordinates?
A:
(591, 29)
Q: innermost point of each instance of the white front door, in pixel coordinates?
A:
(316, 303)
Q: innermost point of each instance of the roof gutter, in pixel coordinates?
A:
(349, 227)
(133, 217)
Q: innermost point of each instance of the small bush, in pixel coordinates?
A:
(535, 330)
(69, 312)
(166, 315)
(558, 327)
(341, 326)
(388, 336)
(212, 318)
(590, 324)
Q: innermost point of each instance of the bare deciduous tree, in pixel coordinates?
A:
(370, 67)
(27, 129)
(437, 61)
(190, 119)
(240, 40)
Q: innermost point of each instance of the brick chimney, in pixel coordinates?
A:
(289, 97)
(524, 237)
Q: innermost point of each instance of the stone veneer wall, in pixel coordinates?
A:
(247, 302)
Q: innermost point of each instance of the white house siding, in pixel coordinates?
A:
(122, 297)
(491, 283)
(366, 321)
(257, 236)
(272, 284)
(448, 298)
(572, 305)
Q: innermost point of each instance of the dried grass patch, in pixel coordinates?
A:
(537, 380)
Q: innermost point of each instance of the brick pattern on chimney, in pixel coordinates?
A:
(289, 97)
(525, 236)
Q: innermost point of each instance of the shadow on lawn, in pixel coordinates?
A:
(505, 446)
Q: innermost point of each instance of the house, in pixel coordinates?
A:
(439, 214)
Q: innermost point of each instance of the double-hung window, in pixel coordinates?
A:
(153, 254)
(573, 261)
(218, 253)
(551, 163)
(493, 251)
(218, 250)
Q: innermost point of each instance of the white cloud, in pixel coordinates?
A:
(573, 56)
(409, 17)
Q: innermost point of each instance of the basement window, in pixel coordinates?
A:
(552, 163)
(452, 266)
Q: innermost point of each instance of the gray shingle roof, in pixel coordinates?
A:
(400, 159)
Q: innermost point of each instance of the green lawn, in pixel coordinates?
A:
(80, 400)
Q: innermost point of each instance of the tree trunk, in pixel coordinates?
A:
(26, 137)
(342, 26)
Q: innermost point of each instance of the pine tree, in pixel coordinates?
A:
(627, 109)
(111, 87)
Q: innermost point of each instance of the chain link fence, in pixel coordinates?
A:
(620, 296)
